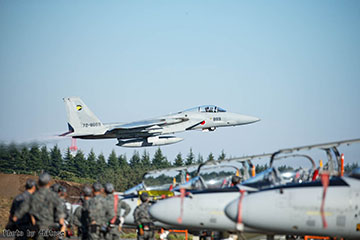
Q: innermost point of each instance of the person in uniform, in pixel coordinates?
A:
(100, 214)
(22, 223)
(114, 203)
(67, 208)
(81, 214)
(55, 187)
(143, 220)
(235, 180)
(44, 207)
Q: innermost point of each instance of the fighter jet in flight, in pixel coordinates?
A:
(83, 124)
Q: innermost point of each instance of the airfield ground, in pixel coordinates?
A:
(13, 184)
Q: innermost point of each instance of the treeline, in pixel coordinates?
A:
(124, 173)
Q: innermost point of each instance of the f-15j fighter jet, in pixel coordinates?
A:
(83, 124)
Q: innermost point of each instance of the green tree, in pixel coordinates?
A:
(56, 161)
(159, 160)
(200, 159)
(260, 168)
(16, 163)
(190, 159)
(15, 157)
(115, 177)
(34, 164)
(135, 160)
(4, 158)
(122, 161)
(101, 165)
(178, 160)
(210, 157)
(145, 160)
(283, 168)
(24, 158)
(222, 155)
(69, 162)
(91, 162)
(8, 158)
(350, 166)
(81, 167)
(113, 162)
(45, 158)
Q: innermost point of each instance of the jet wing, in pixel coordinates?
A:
(139, 124)
(320, 146)
(259, 156)
(147, 124)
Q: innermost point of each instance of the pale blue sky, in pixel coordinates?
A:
(294, 64)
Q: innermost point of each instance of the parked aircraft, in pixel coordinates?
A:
(296, 209)
(169, 181)
(83, 124)
(205, 209)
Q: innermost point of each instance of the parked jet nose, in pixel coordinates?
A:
(166, 211)
(231, 210)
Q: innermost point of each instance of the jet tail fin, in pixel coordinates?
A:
(81, 120)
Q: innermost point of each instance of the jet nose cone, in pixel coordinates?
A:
(155, 211)
(164, 211)
(253, 119)
(231, 210)
(243, 119)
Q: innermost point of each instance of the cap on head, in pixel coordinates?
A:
(44, 179)
(30, 183)
(144, 196)
(87, 191)
(109, 188)
(235, 180)
(97, 187)
(55, 187)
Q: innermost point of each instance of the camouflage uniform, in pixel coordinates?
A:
(100, 213)
(44, 206)
(20, 209)
(66, 208)
(81, 219)
(114, 232)
(142, 218)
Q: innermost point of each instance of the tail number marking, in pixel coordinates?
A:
(96, 124)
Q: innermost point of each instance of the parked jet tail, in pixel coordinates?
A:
(81, 120)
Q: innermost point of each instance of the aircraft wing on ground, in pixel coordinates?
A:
(294, 149)
(248, 159)
(320, 146)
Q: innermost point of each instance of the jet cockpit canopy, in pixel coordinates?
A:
(206, 108)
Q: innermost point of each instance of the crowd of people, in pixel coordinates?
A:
(42, 212)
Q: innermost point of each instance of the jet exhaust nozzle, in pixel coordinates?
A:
(148, 142)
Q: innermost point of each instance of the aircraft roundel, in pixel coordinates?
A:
(78, 107)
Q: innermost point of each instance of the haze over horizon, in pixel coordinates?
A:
(295, 65)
